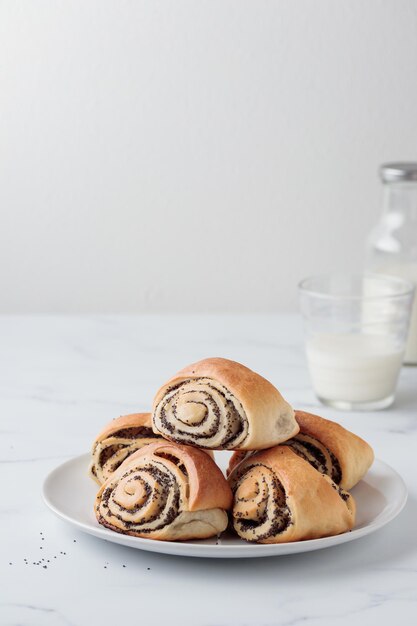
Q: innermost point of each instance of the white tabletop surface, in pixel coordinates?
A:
(63, 378)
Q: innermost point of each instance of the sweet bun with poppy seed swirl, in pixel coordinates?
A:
(219, 404)
(165, 491)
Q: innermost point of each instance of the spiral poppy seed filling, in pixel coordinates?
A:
(110, 453)
(143, 499)
(260, 509)
(133, 432)
(315, 457)
(175, 460)
(342, 493)
(203, 412)
(336, 469)
(317, 454)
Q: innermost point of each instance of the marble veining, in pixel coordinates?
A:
(63, 378)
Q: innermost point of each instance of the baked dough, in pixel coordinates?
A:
(118, 440)
(332, 449)
(329, 448)
(165, 491)
(222, 405)
(279, 497)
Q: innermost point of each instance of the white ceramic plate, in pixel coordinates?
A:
(69, 493)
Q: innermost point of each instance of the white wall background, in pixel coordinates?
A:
(192, 155)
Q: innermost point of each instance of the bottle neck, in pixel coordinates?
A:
(401, 198)
(394, 238)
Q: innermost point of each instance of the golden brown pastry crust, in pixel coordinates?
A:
(264, 417)
(312, 507)
(133, 420)
(236, 458)
(181, 492)
(355, 456)
(118, 447)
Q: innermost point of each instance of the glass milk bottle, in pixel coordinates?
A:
(392, 245)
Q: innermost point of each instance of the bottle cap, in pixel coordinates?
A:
(398, 172)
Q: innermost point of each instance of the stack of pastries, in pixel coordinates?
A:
(288, 476)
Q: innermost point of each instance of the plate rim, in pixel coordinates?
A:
(179, 548)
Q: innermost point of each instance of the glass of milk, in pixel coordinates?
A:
(356, 331)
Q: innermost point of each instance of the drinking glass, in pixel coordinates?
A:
(356, 329)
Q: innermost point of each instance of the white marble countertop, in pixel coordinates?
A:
(63, 378)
